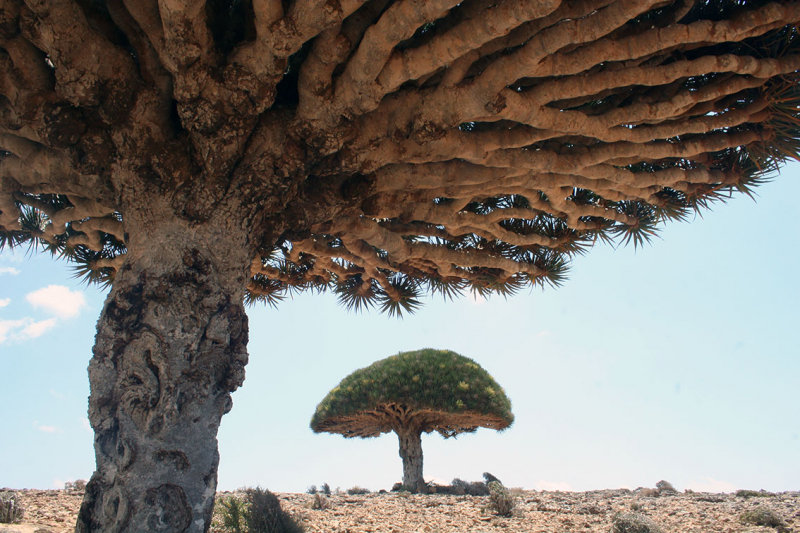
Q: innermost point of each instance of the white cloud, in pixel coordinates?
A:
(7, 327)
(58, 300)
(9, 270)
(553, 485)
(24, 328)
(36, 329)
(46, 429)
(708, 484)
(85, 424)
(543, 333)
(58, 484)
(4, 302)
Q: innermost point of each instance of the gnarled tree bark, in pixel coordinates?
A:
(170, 349)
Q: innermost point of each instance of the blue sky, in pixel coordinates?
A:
(676, 361)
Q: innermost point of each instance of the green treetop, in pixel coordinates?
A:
(413, 393)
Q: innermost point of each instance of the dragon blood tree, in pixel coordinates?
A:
(198, 155)
(412, 393)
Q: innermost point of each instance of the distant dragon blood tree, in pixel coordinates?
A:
(412, 393)
(202, 154)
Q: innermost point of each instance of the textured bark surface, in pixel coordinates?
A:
(170, 349)
(411, 454)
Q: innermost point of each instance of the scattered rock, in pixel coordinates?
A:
(536, 512)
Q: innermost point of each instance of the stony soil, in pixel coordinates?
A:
(55, 511)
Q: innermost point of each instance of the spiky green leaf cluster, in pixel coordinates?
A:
(428, 379)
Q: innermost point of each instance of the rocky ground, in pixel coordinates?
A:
(55, 511)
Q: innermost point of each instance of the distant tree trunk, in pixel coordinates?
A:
(411, 453)
(170, 349)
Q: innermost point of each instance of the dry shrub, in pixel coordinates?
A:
(11, 510)
(352, 491)
(320, 502)
(665, 487)
(500, 500)
(763, 516)
(634, 523)
(258, 511)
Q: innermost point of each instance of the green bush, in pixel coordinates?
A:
(633, 523)
(763, 516)
(258, 511)
(232, 512)
(500, 500)
(11, 510)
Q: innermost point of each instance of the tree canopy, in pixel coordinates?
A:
(390, 148)
(412, 393)
(439, 390)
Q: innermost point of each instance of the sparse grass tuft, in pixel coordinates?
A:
(352, 491)
(634, 523)
(11, 510)
(500, 500)
(763, 516)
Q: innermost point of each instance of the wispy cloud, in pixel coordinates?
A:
(85, 424)
(58, 300)
(553, 485)
(36, 329)
(4, 302)
(543, 333)
(24, 329)
(46, 429)
(9, 270)
(709, 484)
(7, 327)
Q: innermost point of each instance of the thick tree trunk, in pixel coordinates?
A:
(170, 349)
(411, 453)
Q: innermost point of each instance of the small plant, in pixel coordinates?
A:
(500, 500)
(320, 502)
(763, 516)
(266, 516)
(665, 487)
(11, 510)
(753, 493)
(311, 490)
(325, 489)
(78, 484)
(352, 491)
(233, 514)
(633, 523)
(258, 511)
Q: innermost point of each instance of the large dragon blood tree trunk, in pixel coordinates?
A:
(170, 349)
(411, 453)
